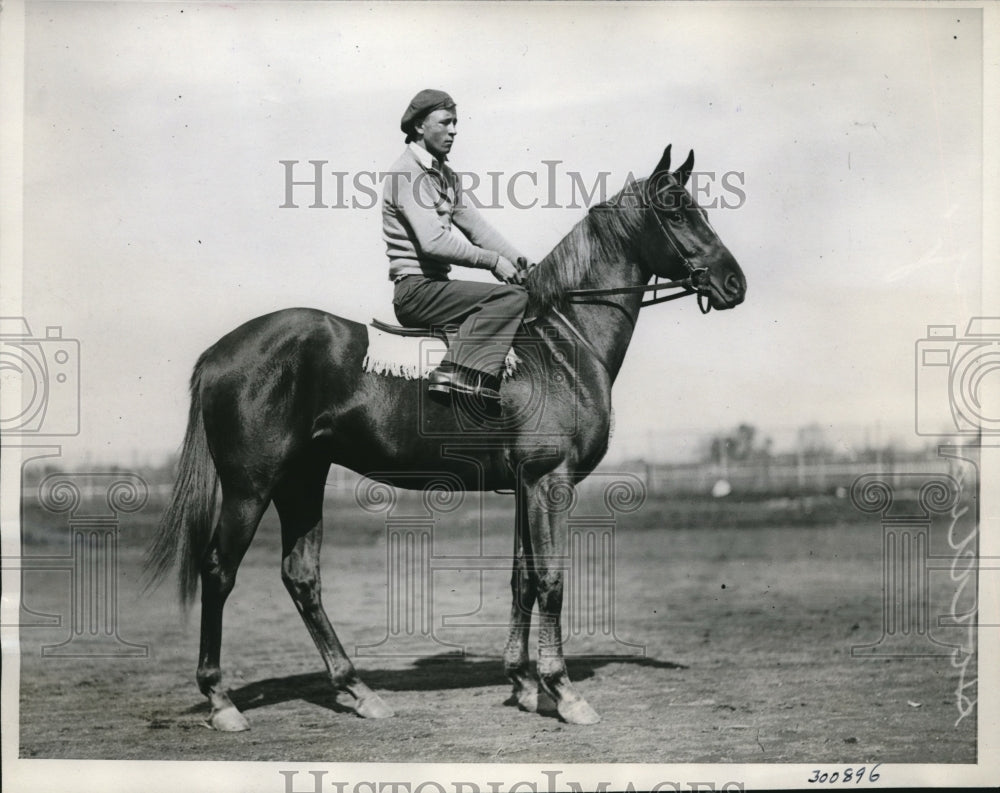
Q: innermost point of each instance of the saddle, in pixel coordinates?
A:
(443, 332)
(384, 355)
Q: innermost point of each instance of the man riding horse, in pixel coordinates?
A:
(421, 207)
(281, 398)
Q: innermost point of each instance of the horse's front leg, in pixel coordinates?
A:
(550, 543)
(524, 588)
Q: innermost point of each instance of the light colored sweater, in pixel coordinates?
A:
(419, 213)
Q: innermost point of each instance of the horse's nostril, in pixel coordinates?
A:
(732, 284)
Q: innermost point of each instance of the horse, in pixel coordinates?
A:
(281, 398)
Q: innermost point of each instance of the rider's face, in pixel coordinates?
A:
(437, 132)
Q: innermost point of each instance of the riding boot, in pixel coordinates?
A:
(449, 378)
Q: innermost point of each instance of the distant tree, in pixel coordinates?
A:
(740, 445)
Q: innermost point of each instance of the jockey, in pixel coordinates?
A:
(421, 206)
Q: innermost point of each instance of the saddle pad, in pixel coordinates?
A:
(410, 357)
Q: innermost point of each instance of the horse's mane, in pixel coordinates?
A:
(602, 237)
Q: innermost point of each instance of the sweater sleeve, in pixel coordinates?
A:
(481, 233)
(415, 202)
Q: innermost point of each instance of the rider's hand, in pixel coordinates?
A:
(525, 266)
(507, 271)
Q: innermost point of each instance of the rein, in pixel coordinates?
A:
(696, 283)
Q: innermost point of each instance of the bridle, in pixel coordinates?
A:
(696, 283)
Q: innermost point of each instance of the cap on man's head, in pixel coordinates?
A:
(427, 101)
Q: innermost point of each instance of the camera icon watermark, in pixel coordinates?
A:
(958, 379)
(45, 371)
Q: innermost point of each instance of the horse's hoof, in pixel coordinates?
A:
(578, 712)
(229, 719)
(373, 707)
(526, 699)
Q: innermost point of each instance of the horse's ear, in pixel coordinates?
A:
(684, 172)
(663, 166)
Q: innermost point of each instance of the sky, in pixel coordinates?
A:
(153, 185)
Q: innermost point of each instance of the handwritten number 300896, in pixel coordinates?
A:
(854, 775)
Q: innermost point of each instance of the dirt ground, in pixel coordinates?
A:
(728, 645)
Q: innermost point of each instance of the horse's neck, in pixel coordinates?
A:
(607, 329)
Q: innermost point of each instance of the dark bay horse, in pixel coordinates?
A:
(278, 400)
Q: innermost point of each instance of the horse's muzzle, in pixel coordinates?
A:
(730, 293)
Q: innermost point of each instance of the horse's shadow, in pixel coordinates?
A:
(431, 673)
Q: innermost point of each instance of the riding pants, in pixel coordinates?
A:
(487, 315)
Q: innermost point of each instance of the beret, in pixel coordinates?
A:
(423, 103)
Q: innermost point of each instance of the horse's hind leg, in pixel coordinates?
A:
(237, 523)
(299, 500)
(524, 587)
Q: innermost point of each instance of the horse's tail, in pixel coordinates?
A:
(186, 527)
